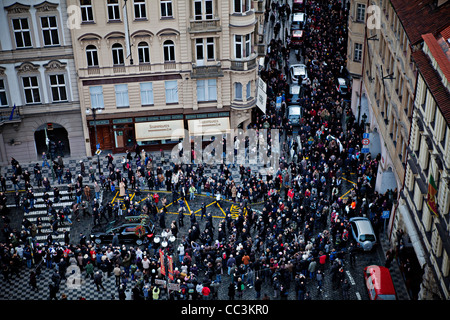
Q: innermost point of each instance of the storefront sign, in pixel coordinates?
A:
(159, 130)
(208, 126)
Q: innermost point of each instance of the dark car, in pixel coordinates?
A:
(128, 232)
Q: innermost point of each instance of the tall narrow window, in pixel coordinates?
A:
(203, 10)
(121, 91)
(146, 93)
(358, 52)
(113, 10)
(117, 52)
(91, 56)
(166, 9)
(237, 91)
(87, 14)
(249, 90)
(241, 6)
(22, 33)
(143, 52)
(31, 89)
(171, 88)
(96, 93)
(360, 12)
(139, 9)
(49, 31)
(169, 51)
(3, 97)
(242, 46)
(58, 88)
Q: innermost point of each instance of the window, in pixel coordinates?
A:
(3, 97)
(249, 90)
(146, 93)
(358, 52)
(117, 52)
(31, 89)
(203, 10)
(91, 56)
(204, 48)
(166, 9)
(360, 12)
(58, 88)
(207, 90)
(171, 91)
(241, 6)
(169, 51)
(49, 31)
(121, 95)
(96, 93)
(22, 32)
(242, 46)
(87, 14)
(143, 52)
(113, 10)
(139, 9)
(237, 91)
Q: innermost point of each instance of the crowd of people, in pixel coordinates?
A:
(299, 236)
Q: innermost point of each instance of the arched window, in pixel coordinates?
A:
(143, 52)
(117, 53)
(91, 56)
(169, 51)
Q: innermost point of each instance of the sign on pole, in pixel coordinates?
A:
(261, 99)
(161, 261)
(170, 267)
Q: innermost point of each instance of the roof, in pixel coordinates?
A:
(432, 78)
(418, 17)
(381, 275)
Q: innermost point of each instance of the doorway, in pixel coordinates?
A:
(55, 133)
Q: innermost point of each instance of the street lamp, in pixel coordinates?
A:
(94, 114)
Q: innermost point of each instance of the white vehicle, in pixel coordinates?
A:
(294, 114)
(363, 233)
(298, 21)
(298, 74)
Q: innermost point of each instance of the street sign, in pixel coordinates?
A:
(278, 102)
(365, 150)
(365, 142)
(385, 214)
(366, 135)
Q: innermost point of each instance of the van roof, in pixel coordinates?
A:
(300, 16)
(341, 81)
(381, 279)
(294, 89)
(294, 110)
(297, 33)
(363, 224)
(299, 68)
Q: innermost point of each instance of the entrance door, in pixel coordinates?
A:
(103, 138)
(55, 133)
(123, 137)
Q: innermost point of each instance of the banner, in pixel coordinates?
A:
(170, 267)
(431, 196)
(161, 261)
(261, 99)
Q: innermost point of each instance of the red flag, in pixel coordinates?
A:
(431, 196)
(170, 267)
(161, 260)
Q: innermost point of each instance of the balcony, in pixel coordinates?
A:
(245, 19)
(244, 64)
(199, 26)
(208, 71)
(7, 115)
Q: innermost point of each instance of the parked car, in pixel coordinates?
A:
(298, 21)
(298, 6)
(294, 114)
(379, 283)
(342, 87)
(363, 233)
(294, 94)
(127, 232)
(298, 73)
(297, 38)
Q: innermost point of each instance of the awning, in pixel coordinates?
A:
(413, 234)
(208, 126)
(159, 130)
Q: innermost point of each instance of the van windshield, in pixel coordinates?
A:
(367, 237)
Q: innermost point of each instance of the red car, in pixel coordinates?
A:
(379, 283)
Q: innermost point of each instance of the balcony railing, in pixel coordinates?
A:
(7, 115)
(244, 65)
(208, 71)
(212, 25)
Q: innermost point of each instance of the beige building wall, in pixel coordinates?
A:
(185, 31)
